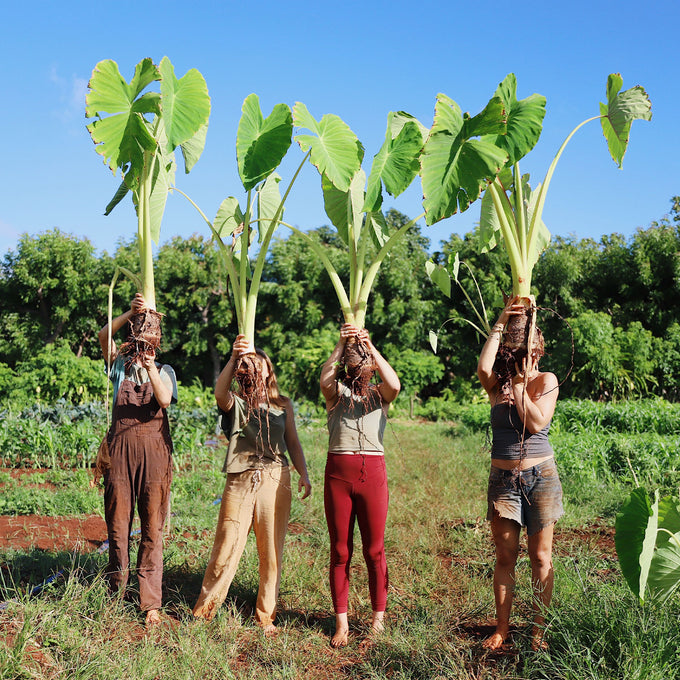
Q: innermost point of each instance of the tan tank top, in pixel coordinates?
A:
(356, 424)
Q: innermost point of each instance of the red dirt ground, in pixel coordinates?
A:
(52, 533)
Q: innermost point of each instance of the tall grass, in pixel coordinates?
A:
(440, 559)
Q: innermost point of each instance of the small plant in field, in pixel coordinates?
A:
(648, 544)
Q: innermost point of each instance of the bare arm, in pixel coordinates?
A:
(390, 386)
(294, 447)
(223, 394)
(329, 370)
(536, 401)
(136, 306)
(160, 390)
(488, 355)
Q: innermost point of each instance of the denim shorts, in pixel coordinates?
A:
(531, 497)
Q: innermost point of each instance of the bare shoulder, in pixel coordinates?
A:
(544, 383)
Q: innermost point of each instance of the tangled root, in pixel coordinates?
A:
(252, 384)
(144, 335)
(359, 366)
(521, 333)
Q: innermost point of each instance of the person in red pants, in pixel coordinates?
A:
(355, 485)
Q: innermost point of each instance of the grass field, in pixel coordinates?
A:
(440, 559)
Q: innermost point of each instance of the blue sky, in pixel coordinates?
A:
(358, 60)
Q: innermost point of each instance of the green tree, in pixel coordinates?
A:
(50, 286)
(199, 325)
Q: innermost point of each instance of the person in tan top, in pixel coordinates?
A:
(258, 487)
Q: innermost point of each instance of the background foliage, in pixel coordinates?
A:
(618, 294)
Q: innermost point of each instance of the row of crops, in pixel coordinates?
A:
(591, 440)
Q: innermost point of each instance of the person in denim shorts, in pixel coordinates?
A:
(524, 487)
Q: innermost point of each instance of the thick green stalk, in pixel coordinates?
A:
(520, 213)
(521, 279)
(540, 203)
(243, 297)
(145, 241)
(362, 301)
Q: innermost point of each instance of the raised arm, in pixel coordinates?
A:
(390, 386)
(297, 457)
(137, 305)
(329, 370)
(223, 394)
(160, 390)
(488, 355)
(535, 401)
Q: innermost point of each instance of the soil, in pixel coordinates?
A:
(52, 533)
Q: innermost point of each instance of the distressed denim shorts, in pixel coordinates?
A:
(531, 497)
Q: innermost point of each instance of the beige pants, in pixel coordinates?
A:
(257, 498)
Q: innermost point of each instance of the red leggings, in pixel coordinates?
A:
(356, 487)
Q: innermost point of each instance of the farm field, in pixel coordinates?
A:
(439, 552)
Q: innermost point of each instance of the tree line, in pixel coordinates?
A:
(610, 311)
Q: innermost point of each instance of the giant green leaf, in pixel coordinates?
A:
(621, 110)
(396, 163)
(636, 526)
(185, 103)
(525, 120)
(123, 135)
(335, 150)
(261, 143)
(455, 168)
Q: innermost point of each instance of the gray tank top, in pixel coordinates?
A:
(506, 426)
(356, 424)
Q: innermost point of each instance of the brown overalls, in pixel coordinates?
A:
(141, 471)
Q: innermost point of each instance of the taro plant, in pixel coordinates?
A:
(511, 212)
(261, 145)
(353, 202)
(648, 544)
(408, 149)
(510, 208)
(137, 131)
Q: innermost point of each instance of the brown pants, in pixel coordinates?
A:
(140, 474)
(257, 498)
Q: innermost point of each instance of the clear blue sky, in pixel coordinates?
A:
(358, 60)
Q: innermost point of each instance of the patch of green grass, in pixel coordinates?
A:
(440, 559)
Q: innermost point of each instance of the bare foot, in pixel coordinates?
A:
(340, 637)
(153, 618)
(538, 640)
(495, 641)
(270, 630)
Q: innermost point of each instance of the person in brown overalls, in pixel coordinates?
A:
(140, 468)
